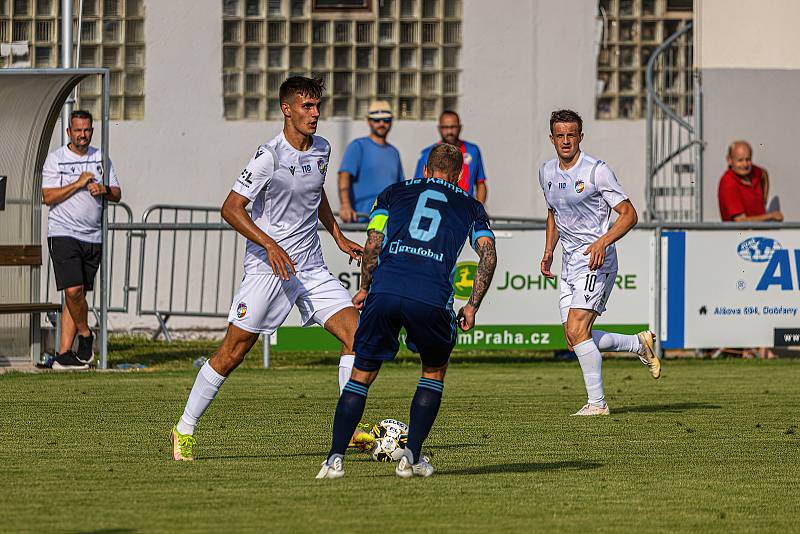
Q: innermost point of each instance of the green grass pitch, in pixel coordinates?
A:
(713, 446)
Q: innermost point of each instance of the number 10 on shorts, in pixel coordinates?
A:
(591, 280)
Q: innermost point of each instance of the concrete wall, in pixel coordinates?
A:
(517, 67)
(751, 82)
(741, 34)
(520, 60)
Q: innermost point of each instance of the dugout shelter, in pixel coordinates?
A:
(30, 103)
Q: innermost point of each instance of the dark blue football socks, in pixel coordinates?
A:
(349, 410)
(424, 409)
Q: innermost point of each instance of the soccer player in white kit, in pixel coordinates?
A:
(283, 264)
(580, 192)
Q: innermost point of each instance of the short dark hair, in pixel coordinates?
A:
(449, 112)
(565, 115)
(300, 85)
(447, 159)
(80, 114)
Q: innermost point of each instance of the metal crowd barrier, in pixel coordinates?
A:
(197, 241)
(119, 214)
(190, 261)
(119, 282)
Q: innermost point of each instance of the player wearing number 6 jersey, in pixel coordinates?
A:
(417, 228)
(580, 192)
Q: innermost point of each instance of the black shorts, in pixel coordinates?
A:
(431, 330)
(75, 262)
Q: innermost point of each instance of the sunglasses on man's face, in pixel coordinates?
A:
(385, 121)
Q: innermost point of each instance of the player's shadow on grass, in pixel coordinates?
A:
(675, 407)
(527, 467)
(323, 454)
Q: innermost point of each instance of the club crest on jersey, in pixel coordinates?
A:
(579, 186)
(467, 158)
(241, 310)
(322, 166)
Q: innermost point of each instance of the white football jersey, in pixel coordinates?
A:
(79, 216)
(581, 199)
(285, 186)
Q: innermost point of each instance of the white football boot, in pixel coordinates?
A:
(591, 409)
(334, 470)
(405, 469)
(647, 353)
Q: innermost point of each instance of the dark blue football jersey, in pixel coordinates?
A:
(426, 222)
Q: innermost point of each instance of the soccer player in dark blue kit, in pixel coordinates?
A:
(417, 229)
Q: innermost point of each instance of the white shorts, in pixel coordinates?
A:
(585, 290)
(264, 300)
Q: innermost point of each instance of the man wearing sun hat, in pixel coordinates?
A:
(369, 166)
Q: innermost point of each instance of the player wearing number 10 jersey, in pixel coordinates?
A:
(580, 192)
(417, 230)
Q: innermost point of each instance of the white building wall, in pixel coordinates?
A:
(747, 53)
(747, 34)
(520, 60)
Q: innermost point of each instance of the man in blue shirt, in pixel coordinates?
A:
(369, 166)
(473, 177)
(417, 229)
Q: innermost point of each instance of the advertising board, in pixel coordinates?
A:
(733, 288)
(520, 310)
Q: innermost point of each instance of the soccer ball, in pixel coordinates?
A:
(391, 437)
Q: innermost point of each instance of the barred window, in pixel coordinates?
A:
(632, 30)
(111, 35)
(403, 51)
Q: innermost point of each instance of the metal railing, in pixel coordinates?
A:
(208, 253)
(674, 146)
(190, 261)
(120, 214)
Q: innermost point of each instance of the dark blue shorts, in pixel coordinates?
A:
(431, 330)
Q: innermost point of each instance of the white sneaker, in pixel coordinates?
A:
(335, 470)
(647, 353)
(405, 469)
(591, 409)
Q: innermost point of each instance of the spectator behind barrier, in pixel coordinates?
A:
(73, 190)
(370, 165)
(743, 192)
(744, 188)
(473, 177)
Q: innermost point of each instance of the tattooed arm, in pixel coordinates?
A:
(483, 278)
(369, 261)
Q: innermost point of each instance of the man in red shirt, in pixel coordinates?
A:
(743, 191)
(744, 187)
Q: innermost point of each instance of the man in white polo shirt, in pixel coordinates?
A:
(72, 188)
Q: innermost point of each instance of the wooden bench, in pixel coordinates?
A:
(26, 256)
(29, 307)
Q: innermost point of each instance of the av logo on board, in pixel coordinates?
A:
(757, 249)
(464, 278)
(778, 268)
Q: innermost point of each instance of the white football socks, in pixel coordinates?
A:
(608, 341)
(205, 388)
(345, 368)
(592, 366)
